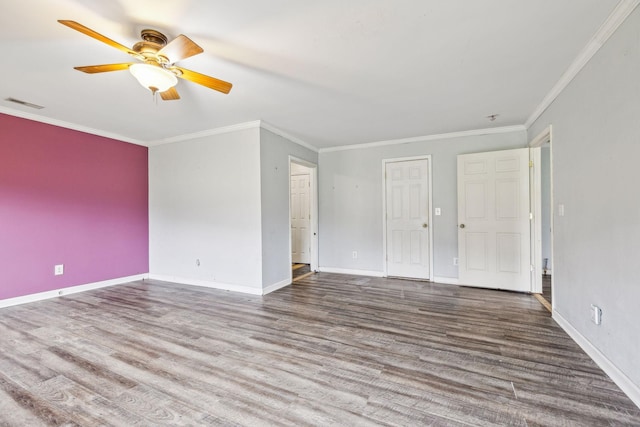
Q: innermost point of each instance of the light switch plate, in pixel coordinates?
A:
(438, 212)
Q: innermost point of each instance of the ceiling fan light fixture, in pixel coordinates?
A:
(153, 77)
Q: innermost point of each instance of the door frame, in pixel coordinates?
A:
(426, 157)
(313, 210)
(536, 208)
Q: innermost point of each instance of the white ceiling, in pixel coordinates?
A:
(331, 72)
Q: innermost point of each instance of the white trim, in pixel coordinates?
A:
(351, 271)
(446, 280)
(476, 132)
(68, 125)
(535, 225)
(271, 128)
(535, 146)
(618, 377)
(542, 138)
(259, 124)
(426, 157)
(622, 10)
(70, 290)
(208, 284)
(276, 286)
(209, 132)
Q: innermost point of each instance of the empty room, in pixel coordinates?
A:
(292, 213)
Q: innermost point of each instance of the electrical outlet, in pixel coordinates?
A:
(455, 261)
(58, 270)
(354, 254)
(198, 262)
(438, 212)
(596, 314)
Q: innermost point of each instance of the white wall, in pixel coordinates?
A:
(274, 177)
(205, 203)
(351, 199)
(596, 147)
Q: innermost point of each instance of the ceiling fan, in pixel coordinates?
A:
(158, 71)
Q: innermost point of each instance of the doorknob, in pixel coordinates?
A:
(461, 225)
(425, 225)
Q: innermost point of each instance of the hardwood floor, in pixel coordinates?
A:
(546, 287)
(299, 270)
(329, 350)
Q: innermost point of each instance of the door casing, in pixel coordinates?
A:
(313, 209)
(536, 203)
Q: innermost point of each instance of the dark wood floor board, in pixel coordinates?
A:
(390, 413)
(13, 414)
(24, 369)
(44, 410)
(576, 407)
(158, 408)
(329, 350)
(84, 406)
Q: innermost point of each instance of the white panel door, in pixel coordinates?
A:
(493, 220)
(300, 219)
(407, 212)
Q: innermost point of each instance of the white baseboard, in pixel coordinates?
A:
(208, 284)
(446, 280)
(276, 286)
(618, 377)
(70, 290)
(351, 272)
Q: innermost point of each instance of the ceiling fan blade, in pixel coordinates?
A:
(201, 79)
(170, 94)
(92, 69)
(180, 48)
(88, 31)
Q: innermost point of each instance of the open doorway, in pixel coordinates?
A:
(303, 218)
(542, 204)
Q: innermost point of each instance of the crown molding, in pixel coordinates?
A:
(209, 132)
(622, 10)
(67, 125)
(271, 128)
(255, 124)
(475, 132)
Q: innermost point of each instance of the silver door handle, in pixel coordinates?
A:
(461, 225)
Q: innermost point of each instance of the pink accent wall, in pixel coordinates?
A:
(67, 197)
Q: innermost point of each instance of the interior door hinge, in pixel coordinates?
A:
(530, 216)
(530, 163)
(531, 267)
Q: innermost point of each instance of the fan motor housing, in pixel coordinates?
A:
(152, 42)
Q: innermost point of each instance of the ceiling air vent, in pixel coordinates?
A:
(25, 103)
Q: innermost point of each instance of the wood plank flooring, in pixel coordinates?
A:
(329, 350)
(299, 270)
(546, 287)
